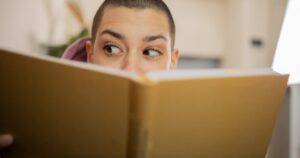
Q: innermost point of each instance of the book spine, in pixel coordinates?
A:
(143, 98)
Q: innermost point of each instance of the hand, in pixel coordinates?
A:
(6, 140)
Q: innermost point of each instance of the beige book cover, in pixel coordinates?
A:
(57, 108)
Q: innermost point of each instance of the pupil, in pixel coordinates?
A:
(109, 49)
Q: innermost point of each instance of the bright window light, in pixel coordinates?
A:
(287, 57)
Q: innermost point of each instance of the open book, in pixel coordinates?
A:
(57, 108)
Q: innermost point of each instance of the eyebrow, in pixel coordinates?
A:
(113, 33)
(153, 38)
(121, 37)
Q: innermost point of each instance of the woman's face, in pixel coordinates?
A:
(135, 40)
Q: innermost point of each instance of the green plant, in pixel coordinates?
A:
(57, 51)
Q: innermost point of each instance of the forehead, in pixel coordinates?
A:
(129, 20)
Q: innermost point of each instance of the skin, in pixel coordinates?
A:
(136, 40)
(5, 140)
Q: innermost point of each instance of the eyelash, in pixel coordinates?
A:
(157, 50)
(114, 45)
(111, 44)
(152, 57)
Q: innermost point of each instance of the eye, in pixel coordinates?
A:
(111, 50)
(152, 53)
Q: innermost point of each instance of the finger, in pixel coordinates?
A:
(6, 140)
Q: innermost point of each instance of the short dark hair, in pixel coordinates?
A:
(139, 4)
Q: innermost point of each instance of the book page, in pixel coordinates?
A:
(207, 73)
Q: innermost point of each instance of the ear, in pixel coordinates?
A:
(174, 59)
(90, 51)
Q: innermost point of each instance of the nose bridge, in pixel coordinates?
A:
(130, 62)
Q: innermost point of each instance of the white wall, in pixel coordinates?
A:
(27, 25)
(278, 8)
(88, 9)
(235, 33)
(200, 27)
(23, 24)
(257, 26)
(249, 19)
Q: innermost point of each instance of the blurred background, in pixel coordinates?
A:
(210, 34)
